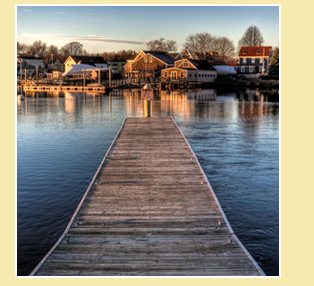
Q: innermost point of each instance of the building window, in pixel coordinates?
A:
(195, 75)
(190, 75)
(244, 60)
(258, 52)
(166, 74)
(251, 69)
(242, 69)
(260, 68)
(150, 59)
(185, 64)
(244, 52)
(145, 60)
(214, 75)
(253, 61)
(181, 74)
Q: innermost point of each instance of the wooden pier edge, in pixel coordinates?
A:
(79, 205)
(220, 208)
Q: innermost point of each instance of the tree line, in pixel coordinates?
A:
(200, 44)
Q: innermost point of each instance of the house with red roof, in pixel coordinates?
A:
(254, 61)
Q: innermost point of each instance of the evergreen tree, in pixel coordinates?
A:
(274, 63)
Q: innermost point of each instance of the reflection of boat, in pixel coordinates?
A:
(21, 97)
(204, 94)
(231, 97)
(77, 94)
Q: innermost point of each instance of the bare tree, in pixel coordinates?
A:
(52, 49)
(199, 43)
(21, 48)
(224, 47)
(251, 38)
(73, 48)
(38, 47)
(162, 45)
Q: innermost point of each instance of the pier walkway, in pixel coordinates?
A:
(149, 211)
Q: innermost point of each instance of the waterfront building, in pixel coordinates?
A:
(148, 64)
(190, 71)
(117, 64)
(98, 62)
(254, 61)
(55, 66)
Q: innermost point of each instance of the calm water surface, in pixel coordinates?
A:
(62, 138)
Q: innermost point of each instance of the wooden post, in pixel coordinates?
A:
(147, 96)
(84, 77)
(99, 75)
(36, 75)
(109, 76)
(147, 108)
(25, 76)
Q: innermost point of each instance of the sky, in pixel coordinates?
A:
(115, 28)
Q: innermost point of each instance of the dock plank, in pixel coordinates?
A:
(149, 211)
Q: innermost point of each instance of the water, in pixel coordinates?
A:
(62, 138)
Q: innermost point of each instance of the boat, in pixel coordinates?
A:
(95, 85)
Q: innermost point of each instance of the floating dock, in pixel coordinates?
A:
(149, 211)
(63, 88)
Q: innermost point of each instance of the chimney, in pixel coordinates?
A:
(258, 45)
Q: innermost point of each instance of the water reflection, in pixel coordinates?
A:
(203, 103)
(62, 136)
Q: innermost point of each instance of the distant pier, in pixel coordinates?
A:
(149, 211)
(63, 88)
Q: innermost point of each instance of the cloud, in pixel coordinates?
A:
(60, 13)
(99, 39)
(89, 39)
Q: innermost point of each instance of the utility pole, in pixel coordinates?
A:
(263, 62)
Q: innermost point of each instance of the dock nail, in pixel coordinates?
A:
(229, 239)
(219, 222)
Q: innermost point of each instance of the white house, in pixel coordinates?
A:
(98, 62)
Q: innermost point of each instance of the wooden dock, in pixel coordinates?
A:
(63, 88)
(149, 211)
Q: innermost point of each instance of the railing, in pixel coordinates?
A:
(132, 81)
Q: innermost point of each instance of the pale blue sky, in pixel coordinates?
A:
(113, 28)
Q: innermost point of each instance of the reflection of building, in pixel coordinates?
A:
(252, 104)
(204, 94)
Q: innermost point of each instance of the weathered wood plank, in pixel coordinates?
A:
(149, 211)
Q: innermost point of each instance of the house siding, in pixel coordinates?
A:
(148, 62)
